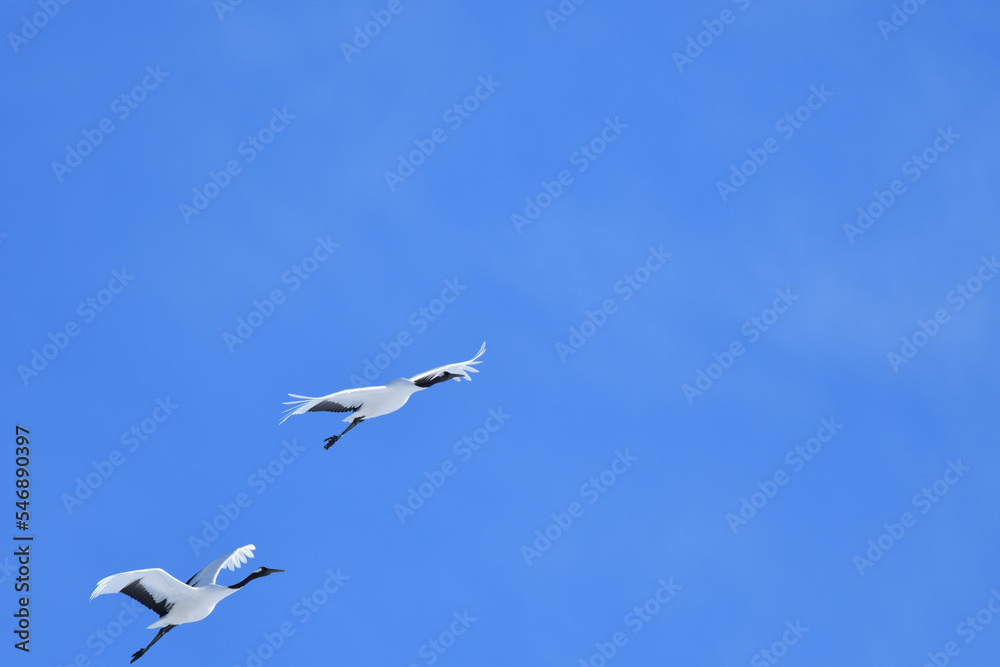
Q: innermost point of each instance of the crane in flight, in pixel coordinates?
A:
(178, 603)
(366, 402)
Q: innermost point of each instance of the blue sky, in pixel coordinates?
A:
(721, 412)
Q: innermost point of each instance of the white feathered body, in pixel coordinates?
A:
(201, 603)
(392, 397)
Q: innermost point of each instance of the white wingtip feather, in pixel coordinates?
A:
(241, 556)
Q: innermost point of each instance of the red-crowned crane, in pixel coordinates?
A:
(178, 603)
(367, 402)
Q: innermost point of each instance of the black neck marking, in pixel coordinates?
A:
(256, 574)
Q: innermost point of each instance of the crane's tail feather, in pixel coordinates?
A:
(300, 406)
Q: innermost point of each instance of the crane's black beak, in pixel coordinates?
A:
(268, 570)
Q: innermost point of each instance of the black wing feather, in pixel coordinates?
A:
(332, 406)
(138, 592)
(428, 381)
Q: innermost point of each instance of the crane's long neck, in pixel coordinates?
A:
(253, 575)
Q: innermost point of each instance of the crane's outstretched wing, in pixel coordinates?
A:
(348, 400)
(154, 589)
(233, 560)
(450, 372)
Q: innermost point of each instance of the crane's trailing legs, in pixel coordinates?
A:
(164, 630)
(334, 438)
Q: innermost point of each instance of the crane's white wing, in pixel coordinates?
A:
(154, 589)
(348, 400)
(450, 372)
(208, 574)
